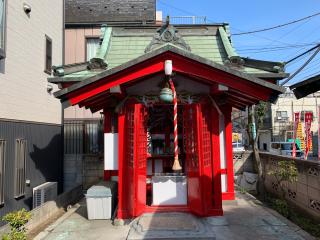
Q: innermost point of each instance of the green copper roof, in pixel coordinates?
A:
(123, 49)
(122, 44)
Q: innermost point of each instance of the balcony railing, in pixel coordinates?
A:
(188, 20)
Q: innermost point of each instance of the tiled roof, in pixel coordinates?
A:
(122, 44)
(108, 11)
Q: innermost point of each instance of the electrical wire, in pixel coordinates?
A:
(302, 67)
(279, 46)
(262, 50)
(277, 26)
(300, 55)
(275, 48)
(214, 22)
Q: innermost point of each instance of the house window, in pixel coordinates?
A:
(283, 114)
(2, 169)
(20, 167)
(92, 45)
(48, 62)
(2, 27)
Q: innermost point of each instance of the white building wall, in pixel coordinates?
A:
(288, 102)
(23, 82)
(223, 154)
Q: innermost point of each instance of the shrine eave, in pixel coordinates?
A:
(170, 49)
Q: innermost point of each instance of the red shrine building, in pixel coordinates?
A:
(168, 158)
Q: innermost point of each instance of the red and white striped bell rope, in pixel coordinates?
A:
(176, 164)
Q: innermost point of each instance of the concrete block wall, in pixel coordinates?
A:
(51, 208)
(82, 169)
(93, 170)
(242, 162)
(305, 193)
(72, 171)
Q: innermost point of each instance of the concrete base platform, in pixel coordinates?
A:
(244, 219)
(167, 226)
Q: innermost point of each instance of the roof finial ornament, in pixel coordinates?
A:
(167, 21)
(167, 34)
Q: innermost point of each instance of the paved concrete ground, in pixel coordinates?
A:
(244, 218)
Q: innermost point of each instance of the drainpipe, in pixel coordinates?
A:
(62, 109)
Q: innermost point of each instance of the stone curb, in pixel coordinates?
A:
(52, 226)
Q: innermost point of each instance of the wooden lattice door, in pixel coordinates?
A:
(192, 151)
(206, 155)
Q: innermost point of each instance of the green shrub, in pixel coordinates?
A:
(281, 207)
(285, 172)
(17, 221)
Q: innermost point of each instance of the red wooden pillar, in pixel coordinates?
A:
(229, 194)
(216, 164)
(121, 184)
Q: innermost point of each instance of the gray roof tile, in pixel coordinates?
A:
(108, 11)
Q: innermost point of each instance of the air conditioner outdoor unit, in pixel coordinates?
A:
(44, 193)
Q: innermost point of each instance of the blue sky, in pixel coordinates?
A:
(276, 45)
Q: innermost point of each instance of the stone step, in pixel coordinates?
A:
(167, 226)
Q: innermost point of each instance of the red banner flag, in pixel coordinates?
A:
(319, 133)
(308, 117)
(295, 127)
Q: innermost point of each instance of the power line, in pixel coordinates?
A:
(300, 55)
(269, 49)
(278, 46)
(277, 26)
(213, 22)
(303, 66)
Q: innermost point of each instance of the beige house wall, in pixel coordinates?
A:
(23, 82)
(288, 102)
(75, 52)
(75, 43)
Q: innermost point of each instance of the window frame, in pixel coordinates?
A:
(280, 114)
(4, 31)
(3, 144)
(20, 179)
(86, 46)
(46, 70)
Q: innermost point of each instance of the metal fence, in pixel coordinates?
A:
(83, 136)
(188, 20)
